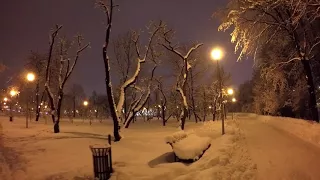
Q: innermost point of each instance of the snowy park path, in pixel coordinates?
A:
(279, 155)
(11, 166)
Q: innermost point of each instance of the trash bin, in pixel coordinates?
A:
(102, 161)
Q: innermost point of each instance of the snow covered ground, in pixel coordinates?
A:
(36, 153)
(306, 130)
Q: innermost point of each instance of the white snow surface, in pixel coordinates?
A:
(175, 137)
(191, 147)
(306, 130)
(37, 153)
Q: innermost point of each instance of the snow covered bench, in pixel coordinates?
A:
(187, 147)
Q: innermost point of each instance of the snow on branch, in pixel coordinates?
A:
(80, 49)
(141, 59)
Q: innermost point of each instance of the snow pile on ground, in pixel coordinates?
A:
(175, 137)
(307, 130)
(191, 147)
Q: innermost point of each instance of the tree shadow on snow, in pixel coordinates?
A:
(90, 135)
(85, 134)
(162, 159)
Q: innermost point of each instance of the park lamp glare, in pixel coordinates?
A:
(216, 54)
(85, 103)
(31, 77)
(230, 91)
(234, 100)
(13, 92)
(5, 99)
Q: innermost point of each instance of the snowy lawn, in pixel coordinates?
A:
(36, 153)
(306, 130)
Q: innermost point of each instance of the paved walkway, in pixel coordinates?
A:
(280, 155)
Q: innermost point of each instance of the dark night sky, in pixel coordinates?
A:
(25, 26)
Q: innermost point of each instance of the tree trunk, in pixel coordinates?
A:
(192, 97)
(39, 107)
(183, 91)
(163, 115)
(204, 105)
(37, 101)
(56, 126)
(183, 117)
(311, 90)
(112, 107)
(52, 106)
(74, 106)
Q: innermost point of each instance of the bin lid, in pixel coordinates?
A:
(100, 149)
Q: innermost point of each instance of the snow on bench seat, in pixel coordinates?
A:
(188, 146)
(175, 137)
(192, 147)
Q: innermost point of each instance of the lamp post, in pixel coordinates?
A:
(229, 93)
(12, 93)
(216, 55)
(234, 100)
(85, 104)
(30, 78)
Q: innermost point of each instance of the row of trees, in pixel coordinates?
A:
(284, 40)
(182, 93)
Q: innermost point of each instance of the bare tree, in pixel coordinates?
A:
(77, 94)
(181, 80)
(163, 103)
(199, 68)
(36, 64)
(66, 67)
(125, 56)
(108, 10)
(116, 110)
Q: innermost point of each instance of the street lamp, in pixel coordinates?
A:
(216, 55)
(85, 104)
(233, 101)
(12, 93)
(30, 77)
(230, 91)
(5, 99)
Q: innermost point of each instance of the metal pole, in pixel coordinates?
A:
(11, 115)
(27, 113)
(221, 98)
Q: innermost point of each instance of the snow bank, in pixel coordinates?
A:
(191, 147)
(306, 130)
